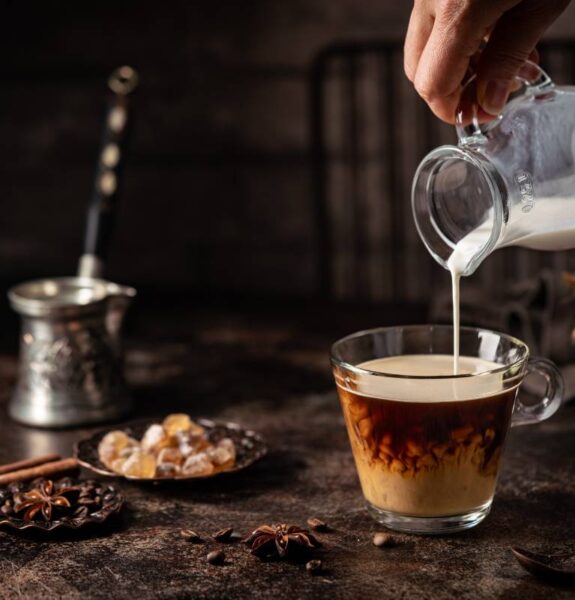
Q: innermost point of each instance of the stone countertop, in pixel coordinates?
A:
(270, 373)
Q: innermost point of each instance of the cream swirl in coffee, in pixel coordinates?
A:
(427, 444)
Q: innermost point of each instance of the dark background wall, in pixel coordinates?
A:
(218, 193)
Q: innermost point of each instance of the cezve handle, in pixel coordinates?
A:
(122, 82)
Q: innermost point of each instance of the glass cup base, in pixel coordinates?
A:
(429, 525)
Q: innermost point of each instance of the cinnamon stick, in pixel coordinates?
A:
(29, 462)
(50, 469)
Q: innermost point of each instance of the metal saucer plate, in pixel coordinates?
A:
(113, 506)
(250, 447)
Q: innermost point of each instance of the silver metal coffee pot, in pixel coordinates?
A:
(70, 357)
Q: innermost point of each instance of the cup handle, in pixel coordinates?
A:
(524, 414)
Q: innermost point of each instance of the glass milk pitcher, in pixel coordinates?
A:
(510, 181)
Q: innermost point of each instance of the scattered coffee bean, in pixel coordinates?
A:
(384, 540)
(223, 535)
(81, 512)
(7, 508)
(86, 501)
(317, 524)
(314, 566)
(217, 557)
(191, 536)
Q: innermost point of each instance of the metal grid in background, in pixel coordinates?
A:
(369, 131)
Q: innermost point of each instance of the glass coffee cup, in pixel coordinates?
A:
(428, 444)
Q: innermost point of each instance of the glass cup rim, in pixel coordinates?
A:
(365, 332)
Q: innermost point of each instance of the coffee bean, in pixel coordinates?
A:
(317, 524)
(217, 557)
(86, 501)
(314, 566)
(223, 535)
(384, 540)
(191, 536)
(7, 508)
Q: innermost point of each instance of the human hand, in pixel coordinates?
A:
(444, 37)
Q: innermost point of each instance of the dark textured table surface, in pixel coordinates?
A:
(269, 371)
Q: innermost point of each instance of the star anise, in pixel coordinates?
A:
(280, 540)
(43, 499)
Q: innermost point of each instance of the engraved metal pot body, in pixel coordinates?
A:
(70, 352)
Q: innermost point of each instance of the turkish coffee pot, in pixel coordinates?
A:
(70, 370)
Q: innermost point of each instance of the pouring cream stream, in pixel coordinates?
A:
(460, 258)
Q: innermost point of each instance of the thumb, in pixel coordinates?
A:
(510, 45)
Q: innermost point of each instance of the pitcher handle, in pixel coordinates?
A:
(524, 414)
(471, 122)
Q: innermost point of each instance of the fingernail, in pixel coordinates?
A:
(494, 96)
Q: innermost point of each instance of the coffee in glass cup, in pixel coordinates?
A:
(428, 444)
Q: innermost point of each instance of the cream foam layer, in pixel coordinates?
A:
(425, 388)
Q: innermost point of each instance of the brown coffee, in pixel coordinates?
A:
(435, 456)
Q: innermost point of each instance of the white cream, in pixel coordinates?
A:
(455, 282)
(427, 387)
(426, 365)
(457, 263)
(551, 240)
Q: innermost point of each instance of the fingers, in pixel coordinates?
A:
(512, 41)
(456, 36)
(418, 31)
(444, 35)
